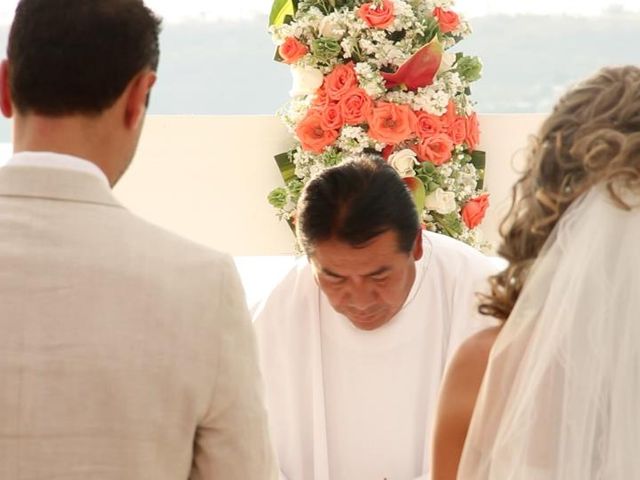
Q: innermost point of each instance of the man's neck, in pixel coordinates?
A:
(79, 136)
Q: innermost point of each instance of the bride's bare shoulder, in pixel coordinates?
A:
(471, 358)
(457, 399)
(466, 370)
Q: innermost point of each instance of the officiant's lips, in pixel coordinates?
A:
(365, 318)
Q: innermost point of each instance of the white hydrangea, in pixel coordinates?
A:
(431, 100)
(370, 80)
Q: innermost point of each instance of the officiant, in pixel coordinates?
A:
(354, 340)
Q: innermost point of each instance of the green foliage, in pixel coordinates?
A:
(295, 186)
(429, 29)
(286, 166)
(450, 223)
(281, 10)
(325, 49)
(278, 197)
(469, 68)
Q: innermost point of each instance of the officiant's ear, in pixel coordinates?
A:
(417, 246)
(138, 97)
(5, 91)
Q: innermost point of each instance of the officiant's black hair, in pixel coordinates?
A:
(78, 56)
(355, 202)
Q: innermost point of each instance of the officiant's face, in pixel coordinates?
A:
(367, 284)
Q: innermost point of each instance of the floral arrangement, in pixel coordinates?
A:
(377, 78)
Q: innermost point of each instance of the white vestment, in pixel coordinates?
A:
(351, 404)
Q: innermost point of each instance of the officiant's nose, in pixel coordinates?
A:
(361, 295)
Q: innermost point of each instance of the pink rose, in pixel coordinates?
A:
(458, 130)
(377, 16)
(474, 210)
(355, 106)
(391, 123)
(449, 116)
(313, 136)
(292, 50)
(341, 79)
(332, 117)
(473, 132)
(427, 124)
(435, 149)
(447, 20)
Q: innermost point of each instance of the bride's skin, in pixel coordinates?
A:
(458, 396)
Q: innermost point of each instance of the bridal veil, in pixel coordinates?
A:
(561, 395)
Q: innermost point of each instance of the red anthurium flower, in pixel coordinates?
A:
(419, 70)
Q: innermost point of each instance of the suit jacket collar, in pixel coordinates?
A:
(54, 184)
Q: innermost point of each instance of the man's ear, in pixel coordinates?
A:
(6, 107)
(417, 246)
(137, 98)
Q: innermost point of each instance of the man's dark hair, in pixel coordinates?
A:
(355, 202)
(78, 56)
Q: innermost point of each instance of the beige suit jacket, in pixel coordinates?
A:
(125, 352)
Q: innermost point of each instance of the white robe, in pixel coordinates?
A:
(302, 346)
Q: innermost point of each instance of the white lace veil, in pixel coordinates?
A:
(561, 396)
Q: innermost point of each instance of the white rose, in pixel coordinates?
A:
(330, 28)
(468, 182)
(448, 59)
(441, 202)
(403, 162)
(306, 80)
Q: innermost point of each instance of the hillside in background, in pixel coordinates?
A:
(227, 67)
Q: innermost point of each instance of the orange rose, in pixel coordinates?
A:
(341, 79)
(331, 117)
(377, 16)
(427, 124)
(292, 50)
(391, 123)
(474, 210)
(312, 135)
(449, 116)
(320, 98)
(447, 20)
(458, 130)
(435, 149)
(473, 132)
(355, 106)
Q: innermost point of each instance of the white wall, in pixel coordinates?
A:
(207, 177)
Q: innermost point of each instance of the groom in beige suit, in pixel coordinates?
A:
(126, 352)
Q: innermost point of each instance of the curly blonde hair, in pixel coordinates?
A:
(592, 136)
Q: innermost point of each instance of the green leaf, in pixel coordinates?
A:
(286, 166)
(449, 223)
(280, 10)
(416, 187)
(277, 57)
(479, 160)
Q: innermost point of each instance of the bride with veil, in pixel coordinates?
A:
(561, 390)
